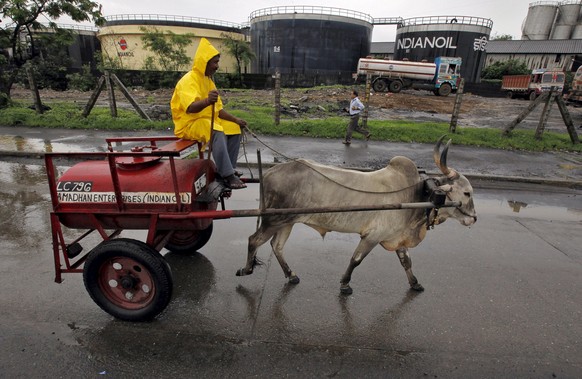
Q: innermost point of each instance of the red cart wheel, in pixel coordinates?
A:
(128, 279)
(189, 241)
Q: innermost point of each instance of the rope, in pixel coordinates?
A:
(320, 173)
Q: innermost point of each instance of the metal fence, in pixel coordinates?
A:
(304, 9)
(171, 18)
(464, 20)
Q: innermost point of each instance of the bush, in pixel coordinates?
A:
(510, 67)
(84, 81)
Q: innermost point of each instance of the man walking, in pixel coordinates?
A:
(356, 107)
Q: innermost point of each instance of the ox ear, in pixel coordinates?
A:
(446, 187)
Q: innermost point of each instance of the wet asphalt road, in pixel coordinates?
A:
(502, 299)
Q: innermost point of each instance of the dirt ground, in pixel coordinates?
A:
(476, 111)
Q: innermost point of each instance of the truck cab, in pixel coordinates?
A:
(448, 74)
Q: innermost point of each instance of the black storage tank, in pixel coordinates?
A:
(309, 39)
(425, 38)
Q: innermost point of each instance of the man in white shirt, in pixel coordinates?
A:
(356, 107)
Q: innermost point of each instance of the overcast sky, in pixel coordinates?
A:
(507, 15)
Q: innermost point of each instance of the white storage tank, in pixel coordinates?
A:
(539, 21)
(567, 18)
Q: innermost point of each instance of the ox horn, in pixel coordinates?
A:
(440, 158)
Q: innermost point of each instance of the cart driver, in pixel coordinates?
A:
(195, 102)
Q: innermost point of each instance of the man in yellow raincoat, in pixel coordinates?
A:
(195, 101)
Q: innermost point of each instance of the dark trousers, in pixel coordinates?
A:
(353, 126)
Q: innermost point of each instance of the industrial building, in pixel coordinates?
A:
(312, 41)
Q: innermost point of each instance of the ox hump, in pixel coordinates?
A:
(400, 173)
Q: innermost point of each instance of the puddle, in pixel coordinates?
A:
(515, 208)
(61, 145)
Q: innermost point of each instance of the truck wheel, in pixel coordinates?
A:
(445, 89)
(128, 279)
(509, 94)
(189, 241)
(395, 86)
(380, 85)
(532, 96)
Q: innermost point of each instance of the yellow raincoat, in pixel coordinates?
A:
(194, 86)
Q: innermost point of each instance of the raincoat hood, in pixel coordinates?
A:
(204, 53)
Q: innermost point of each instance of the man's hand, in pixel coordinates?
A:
(242, 123)
(212, 96)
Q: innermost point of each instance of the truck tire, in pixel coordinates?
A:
(395, 86)
(532, 95)
(380, 85)
(445, 89)
(509, 94)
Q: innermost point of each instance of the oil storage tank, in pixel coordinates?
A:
(425, 38)
(309, 39)
(567, 17)
(539, 20)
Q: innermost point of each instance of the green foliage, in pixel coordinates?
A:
(169, 49)
(240, 50)
(20, 29)
(84, 81)
(508, 67)
(502, 37)
(260, 119)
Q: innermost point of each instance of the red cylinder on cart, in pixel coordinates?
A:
(87, 196)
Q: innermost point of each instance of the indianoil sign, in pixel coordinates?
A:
(427, 45)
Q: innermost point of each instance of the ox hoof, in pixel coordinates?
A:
(293, 279)
(417, 287)
(346, 290)
(243, 272)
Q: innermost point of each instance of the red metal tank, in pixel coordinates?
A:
(87, 193)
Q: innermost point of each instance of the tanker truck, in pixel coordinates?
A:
(441, 77)
(574, 95)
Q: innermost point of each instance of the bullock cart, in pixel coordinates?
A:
(147, 187)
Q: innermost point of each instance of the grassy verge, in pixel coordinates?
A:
(260, 119)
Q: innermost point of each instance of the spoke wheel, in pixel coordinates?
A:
(128, 279)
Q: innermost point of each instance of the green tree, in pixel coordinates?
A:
(502, 37)
(508, 67)
(240, 50)
(18, 32)
(169, 49)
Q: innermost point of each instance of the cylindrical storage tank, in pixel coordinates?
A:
(146, 188)
(577, 32)
(568, 13)
(309, 39)
(425, 38)
(562, 31)
(539, 20)
(122, 43)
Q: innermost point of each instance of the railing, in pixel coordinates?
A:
(88, 28)
(464, 20)
(173, 18)
(388, 21)
(305, 9)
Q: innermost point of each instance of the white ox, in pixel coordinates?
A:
(304, 184)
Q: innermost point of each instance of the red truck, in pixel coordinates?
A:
(531, 86)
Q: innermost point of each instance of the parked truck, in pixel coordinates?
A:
(441, 77)
(532, 85)
(574, 95)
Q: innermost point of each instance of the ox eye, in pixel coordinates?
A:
(468, 194)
